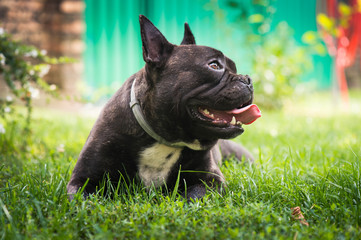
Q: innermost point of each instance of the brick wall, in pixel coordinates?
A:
(54, 25)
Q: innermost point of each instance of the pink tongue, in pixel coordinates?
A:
(246, 115)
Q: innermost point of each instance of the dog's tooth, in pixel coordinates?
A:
(233, 122)
(211, 115)
(206, 111)
(239, 123)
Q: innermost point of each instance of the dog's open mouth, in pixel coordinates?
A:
(236, 117)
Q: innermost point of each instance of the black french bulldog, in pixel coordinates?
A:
(167, 117)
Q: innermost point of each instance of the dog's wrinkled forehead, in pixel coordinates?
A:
(202, 55)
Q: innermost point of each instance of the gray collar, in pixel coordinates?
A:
(138, 114)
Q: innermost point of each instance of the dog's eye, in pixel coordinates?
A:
(214, 65)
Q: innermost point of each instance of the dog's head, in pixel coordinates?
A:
(194, 92)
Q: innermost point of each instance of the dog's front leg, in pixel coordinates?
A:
(200, 173)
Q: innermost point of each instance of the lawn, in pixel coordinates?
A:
(307, 155)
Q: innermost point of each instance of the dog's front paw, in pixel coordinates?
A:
(195, 192)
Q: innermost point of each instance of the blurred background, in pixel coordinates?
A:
(287, 47)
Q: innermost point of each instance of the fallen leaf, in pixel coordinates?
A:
(298, 216)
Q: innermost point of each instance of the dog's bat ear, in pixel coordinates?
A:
(156, 48)
(188, 37)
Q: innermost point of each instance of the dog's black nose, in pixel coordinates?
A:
(246, 79)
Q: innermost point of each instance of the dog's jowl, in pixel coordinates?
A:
(168, 119)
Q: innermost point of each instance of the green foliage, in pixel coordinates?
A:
(23, 67)
(327, 23)
(307, 156)
(331, 25)
(277, 65)
(314, 43)
(278, 62)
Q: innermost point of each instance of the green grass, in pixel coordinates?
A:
(307, 155)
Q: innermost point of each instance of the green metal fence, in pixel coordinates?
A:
(301, 16)
(113, 45)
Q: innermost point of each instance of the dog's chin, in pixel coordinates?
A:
(206, 131)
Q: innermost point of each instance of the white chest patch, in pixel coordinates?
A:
(155, 163)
